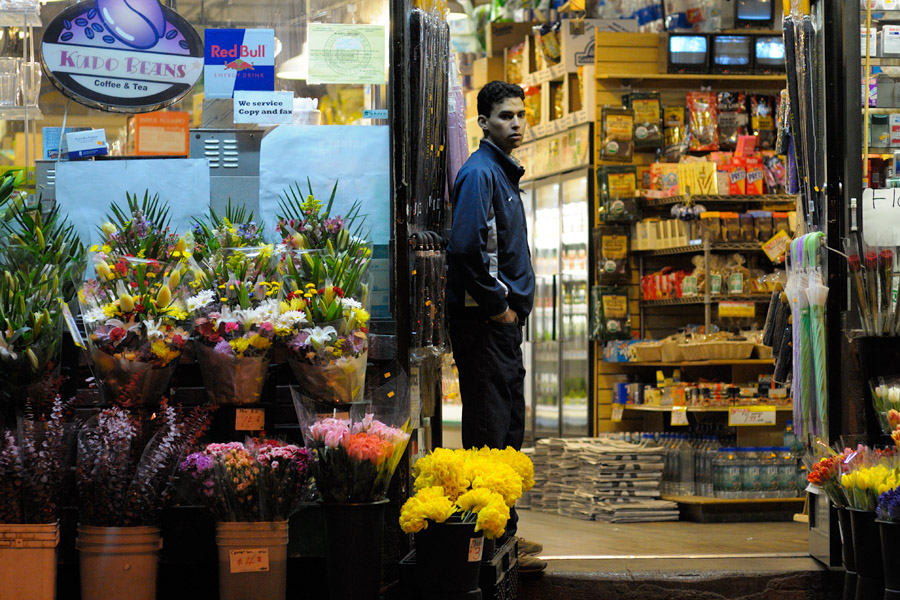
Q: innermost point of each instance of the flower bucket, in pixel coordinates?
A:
(867, 554)
(118, 563)
(890, 555)
(847, 552)
(353, 549)
(252, 559)
(229, 379)
(130, 382)
(28, 556)
(338, 384)
(448, 557)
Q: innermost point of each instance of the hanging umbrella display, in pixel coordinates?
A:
(816, 294)
(793, 290)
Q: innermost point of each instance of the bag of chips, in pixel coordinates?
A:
(617, 129)
(703, 119)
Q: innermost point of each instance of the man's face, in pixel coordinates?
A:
(506, 124)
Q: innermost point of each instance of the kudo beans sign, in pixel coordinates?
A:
(129, 56)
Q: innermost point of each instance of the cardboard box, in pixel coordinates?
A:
(894, 122)
(578, 38)
(82, 144)
(873, 42)
(502, 35)
(487, 69)
(890, 40)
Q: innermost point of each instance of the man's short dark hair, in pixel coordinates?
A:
(497, 91)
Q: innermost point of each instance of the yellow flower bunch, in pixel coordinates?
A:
(863, 486)
(479, 485)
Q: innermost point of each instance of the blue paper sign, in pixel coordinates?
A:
(238, 59)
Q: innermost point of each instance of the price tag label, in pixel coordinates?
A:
(250, 419)
(617, 411)
(751, 415)
(249, 560)
(71, 325)
(679, 415)
(476, 546)
(737, 309)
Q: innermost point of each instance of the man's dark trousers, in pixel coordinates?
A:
(488, 356)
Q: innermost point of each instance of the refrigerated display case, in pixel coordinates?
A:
(559, 366)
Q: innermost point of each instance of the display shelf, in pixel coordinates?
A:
(697, 363)
(883, 15)
(890, 61)
(700, 300)
(696, 246)
(695, 409)
(712, 199)
(690, 77)
(19, 113)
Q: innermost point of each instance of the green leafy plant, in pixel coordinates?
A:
(141, 229)
(235, 229)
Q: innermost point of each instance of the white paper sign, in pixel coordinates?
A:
(263, 107)
(751, 415)
(881, 216)
(249, 419)
(249, 560)
(85, 190)
(617, 411)
(679, 415)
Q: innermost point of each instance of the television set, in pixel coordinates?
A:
(688, 53)
(732, 53)
(768, 54)
(759, 14)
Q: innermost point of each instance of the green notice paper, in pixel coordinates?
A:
(352, 54)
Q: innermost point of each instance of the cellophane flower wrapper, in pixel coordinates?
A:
(126, 465)
(478, 484)
(33, 467)
(258, 480)
(357, 449)
(870, 472)
(886, 398)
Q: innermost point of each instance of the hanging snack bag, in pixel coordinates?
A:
(776, 174)
(546, 39)
(675, 138)
(557, 100)
(612, 320)
(616, 141)
(532, 105)
(704, 132)
(762, 120)
(648, 130)
(733, 119)
(612, 245)
(515, 63)
(618, 193)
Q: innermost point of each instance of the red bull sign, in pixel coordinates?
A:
(238, 60)
(131, 56)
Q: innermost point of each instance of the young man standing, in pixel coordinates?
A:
(490, 285)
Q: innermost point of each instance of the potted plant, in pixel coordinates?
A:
(134, 309)
(125, 477)
(32, 470)
(325, 260)
(252, 489)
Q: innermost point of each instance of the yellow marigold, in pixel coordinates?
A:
(444, 468)
(177, 313)
(111, 310)
(239, 345)
(428, 504)
(259, 342)
(160, 349)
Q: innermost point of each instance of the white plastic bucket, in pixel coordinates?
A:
(118, 563)
(252, 560)
(28, 556)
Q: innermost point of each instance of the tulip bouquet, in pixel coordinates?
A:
(825, 475)
(479, 485)
(870, 474)
(885, 397)
(324, 266)
(135, 308)
(259, 480)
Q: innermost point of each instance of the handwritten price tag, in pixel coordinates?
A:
(250, 560)
(617, 411)
(250, 419)
(475, 548)
(751, 415)
(679, 415)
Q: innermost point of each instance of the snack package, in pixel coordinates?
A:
(748, 231)
(546, 39)
(711, 226)
(704, 131)
(737, 178)
(515, 63)
(762, 120)
(532, 105)
(781, 222)
(612, 248)
(733, 118)
(557, 100)
(731, 226)
(618, 193)
(756, 175)
(716, 273)
(776, 174)
(762, 224)
(617, 126)
(648, 130)
(612, 320)
(675, 135)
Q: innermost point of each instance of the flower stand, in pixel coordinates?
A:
(231, 380)
(118, 563)
(353, 549)
(867, 554)
(28, 556)
(252, 559)
(847, 553)
(448, 560)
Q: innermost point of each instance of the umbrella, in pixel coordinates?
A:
(792, 289)
(816, 294)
